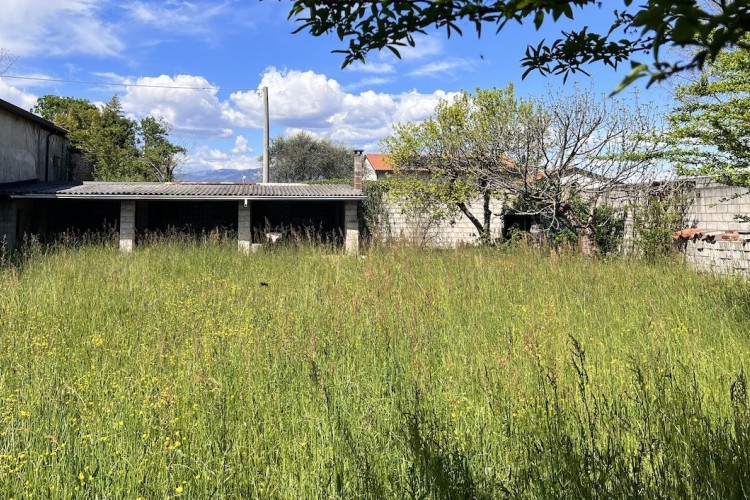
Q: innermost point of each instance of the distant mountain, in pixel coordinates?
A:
(221, 175)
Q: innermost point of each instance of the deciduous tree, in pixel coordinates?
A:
(119, 148)
(710, 128)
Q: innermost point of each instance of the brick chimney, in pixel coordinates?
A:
(359, 168)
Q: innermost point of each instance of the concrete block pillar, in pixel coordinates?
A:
(351, 228)
(127, 225)
(8, 223)
(244, 226)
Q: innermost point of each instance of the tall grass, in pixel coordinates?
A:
(189, 370)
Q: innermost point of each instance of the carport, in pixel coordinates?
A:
(250, 209)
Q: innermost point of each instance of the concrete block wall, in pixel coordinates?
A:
(714, 207)
(731, 257)
(455, 231)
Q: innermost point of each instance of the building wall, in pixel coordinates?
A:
(714, 208)
(455, 231)
(23, 151)
(726, 257)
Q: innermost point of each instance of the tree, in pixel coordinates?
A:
(710, 129)
(159, 156)
(638, 30)
(119, 148)
(301, 157)
(542, 156)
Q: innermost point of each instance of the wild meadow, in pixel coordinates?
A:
(187, 370)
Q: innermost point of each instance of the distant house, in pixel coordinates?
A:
(39, 196)
(376, 166)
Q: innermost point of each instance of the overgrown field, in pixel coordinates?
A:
(192, 371)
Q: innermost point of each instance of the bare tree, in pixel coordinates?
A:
(574, 153)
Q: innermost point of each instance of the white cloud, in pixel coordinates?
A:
(176, 16)
(313, 102)
(424, 46)
(240, 145)
(446, 66)
(54, 27)
(16, 96)
(207, 158)
(372, 67)
(295, 98)
(196, 113)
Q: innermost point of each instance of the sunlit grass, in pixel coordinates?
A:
(190, 370)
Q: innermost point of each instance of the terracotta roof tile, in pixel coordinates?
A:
(380, 162)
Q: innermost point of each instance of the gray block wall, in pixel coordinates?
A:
(715, 207)
(455, 231)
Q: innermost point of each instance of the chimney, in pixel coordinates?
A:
(359, 167)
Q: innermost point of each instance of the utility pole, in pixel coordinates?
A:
(266, 140)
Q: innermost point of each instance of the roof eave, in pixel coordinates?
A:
(136, 197)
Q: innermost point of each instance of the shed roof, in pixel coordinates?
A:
(182, 191)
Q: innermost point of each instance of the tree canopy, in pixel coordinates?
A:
(640, 30)
(119, 148)
(710, 128)
(302, 157)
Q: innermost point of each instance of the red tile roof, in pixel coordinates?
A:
(380, 162)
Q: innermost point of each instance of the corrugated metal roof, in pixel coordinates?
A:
(182, 190)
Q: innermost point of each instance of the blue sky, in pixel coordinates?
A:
(234, 47)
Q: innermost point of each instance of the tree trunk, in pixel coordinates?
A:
(487, 236)
(584, 230)
(586, 241)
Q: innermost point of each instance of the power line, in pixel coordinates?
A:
(60, 80)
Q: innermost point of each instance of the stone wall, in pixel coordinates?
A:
(455, 231)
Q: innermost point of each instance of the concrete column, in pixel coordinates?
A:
(8, 223)
(127, 225)
(351, 228)
(244, 226)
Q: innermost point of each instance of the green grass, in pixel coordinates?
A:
(403, 373)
